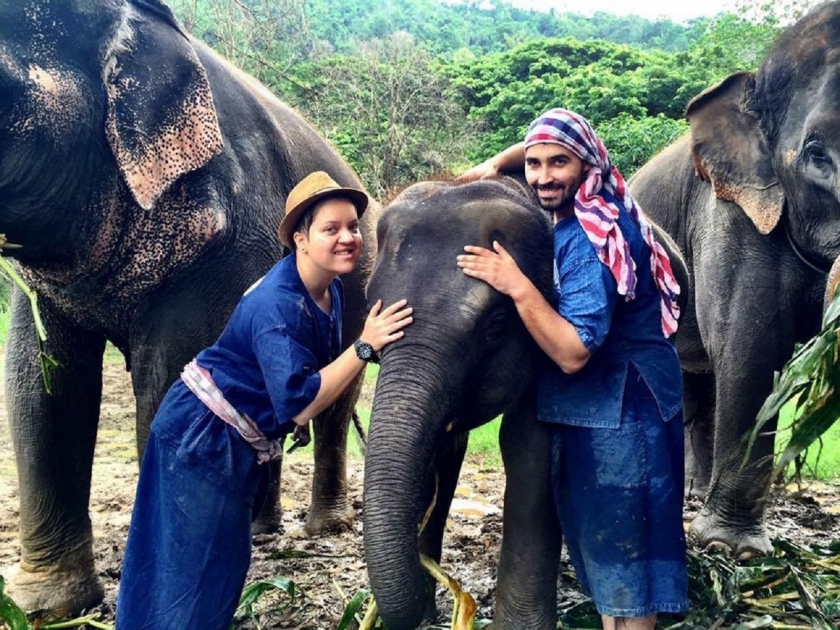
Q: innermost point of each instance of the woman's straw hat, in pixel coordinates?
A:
(314, 188)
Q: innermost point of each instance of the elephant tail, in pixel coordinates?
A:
(361, 436)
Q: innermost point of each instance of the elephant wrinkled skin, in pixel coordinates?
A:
(752, 197)
(144, 178)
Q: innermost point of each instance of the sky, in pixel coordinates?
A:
(676, 10)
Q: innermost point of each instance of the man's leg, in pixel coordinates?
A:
(629, 623)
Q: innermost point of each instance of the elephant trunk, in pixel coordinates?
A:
(406, 426)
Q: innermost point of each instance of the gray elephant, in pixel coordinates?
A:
(144, 178)
(466, 359)
(752, 198)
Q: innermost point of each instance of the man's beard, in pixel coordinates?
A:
(563, 204)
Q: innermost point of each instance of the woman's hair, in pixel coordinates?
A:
(308, 216)
(306, 220)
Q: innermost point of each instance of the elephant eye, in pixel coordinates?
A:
(495, 327)
(816, 154)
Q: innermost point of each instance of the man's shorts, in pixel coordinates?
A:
(619, 496)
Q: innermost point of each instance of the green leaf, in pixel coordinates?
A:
(353, 607)
(10, 614)
(254, 591)
(832, 313)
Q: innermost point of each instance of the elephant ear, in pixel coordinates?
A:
(161, 121)
(730, 150)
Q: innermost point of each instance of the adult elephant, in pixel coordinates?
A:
(752, 197)
(466, 358)
(144, 178)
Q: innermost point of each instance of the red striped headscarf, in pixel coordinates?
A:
(599, 218)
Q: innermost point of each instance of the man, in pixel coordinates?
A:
(613, 387)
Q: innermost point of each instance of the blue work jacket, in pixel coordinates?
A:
(266, 362)
(617, 333)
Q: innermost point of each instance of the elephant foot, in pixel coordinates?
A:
(66, 591)
(269, 520)
(696, 487)
(328, 519)
(710, 532)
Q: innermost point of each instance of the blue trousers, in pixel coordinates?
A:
(619, 496)
(189, 543)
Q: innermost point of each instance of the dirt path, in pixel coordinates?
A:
(334, 564)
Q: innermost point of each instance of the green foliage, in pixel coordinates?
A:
(263, 37)
(794, 588)
(386, 110)
(811, 381)
(10, 614)
(613, 85)
(13, 618)
(353, 608)
(257, 591)
(633, 141)
(482, 27)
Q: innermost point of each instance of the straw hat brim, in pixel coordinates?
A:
(287, 226)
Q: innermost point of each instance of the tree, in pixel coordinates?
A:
(387, 111)
(266, 38)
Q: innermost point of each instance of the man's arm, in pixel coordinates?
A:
(556, 336)
(512, 158)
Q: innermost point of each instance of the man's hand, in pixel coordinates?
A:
(496, 268)
(485, 170)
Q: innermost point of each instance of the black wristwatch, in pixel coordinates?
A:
(365, 351)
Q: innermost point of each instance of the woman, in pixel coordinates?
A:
(277, 364)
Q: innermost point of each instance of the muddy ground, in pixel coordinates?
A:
(334, 566)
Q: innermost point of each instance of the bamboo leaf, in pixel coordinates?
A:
(832, 313)
(254, 591)
(807, 430)
(10, 614)
(353, 608)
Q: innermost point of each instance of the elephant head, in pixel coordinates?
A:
(82, 87)
(770, 141)
(464, 360)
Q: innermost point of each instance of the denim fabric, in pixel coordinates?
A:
(617, 332)
(619, 496)
(189, 543)
(266, 361)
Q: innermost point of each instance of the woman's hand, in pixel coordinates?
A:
(497, 268)
(381, 328)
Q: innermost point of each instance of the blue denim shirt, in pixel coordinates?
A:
(617, 333)
(267, 359)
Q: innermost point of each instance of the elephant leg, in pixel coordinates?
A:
(330, 508)
(269, 514)
(733, 514)
(526, 591)
(699, 425)
(54, 436)
(448, 461)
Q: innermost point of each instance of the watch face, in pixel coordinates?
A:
(364, 350)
